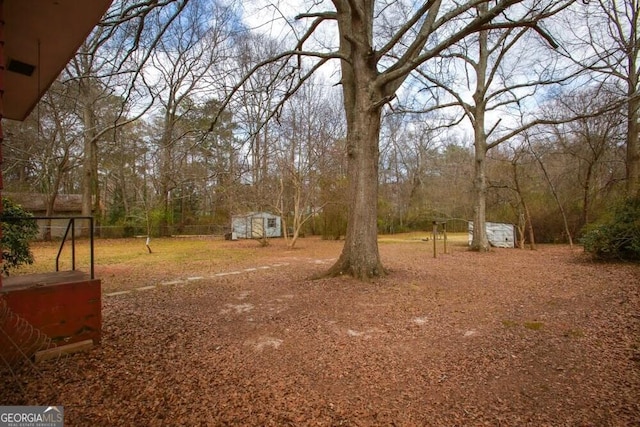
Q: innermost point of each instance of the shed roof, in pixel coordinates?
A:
(252, 214)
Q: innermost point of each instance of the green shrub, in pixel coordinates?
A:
(17, 231)
(618, 236)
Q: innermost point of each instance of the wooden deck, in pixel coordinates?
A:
(65, 305)
(12, 283)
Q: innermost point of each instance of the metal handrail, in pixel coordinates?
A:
(70, 227)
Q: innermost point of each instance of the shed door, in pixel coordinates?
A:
(257, 228)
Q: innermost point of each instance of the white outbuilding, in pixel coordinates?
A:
(500, 235)
(256, 225)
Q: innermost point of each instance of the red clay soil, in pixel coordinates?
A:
(508, 338)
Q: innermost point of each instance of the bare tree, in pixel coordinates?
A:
(110, 60)
(378, 46)
(307, 126)
(556, 195)
(603, 36)
(181, 66)
(592, 140)
(512, 172)
(503, 69)
(257, 100)
(386, 83)
(411, 166)
(52, 133)
(525, 223)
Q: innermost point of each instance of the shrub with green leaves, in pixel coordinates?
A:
(17, 232)
(618, 236)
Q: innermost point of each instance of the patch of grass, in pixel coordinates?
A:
(133, 252)
(573, 333)
(534, 326)
(509, 323)
(419, 237)
(416, 286)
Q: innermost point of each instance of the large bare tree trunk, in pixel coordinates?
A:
(360, 257)
(363, 101)
(479, 241)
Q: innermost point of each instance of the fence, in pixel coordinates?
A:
(117, 231)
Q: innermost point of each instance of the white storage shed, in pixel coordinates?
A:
(500, 235)
(256, 225)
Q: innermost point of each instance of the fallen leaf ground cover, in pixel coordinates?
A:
(245, 337)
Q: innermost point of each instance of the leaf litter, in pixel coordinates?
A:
(512, 337)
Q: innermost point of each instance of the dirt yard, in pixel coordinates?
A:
(508, 338)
